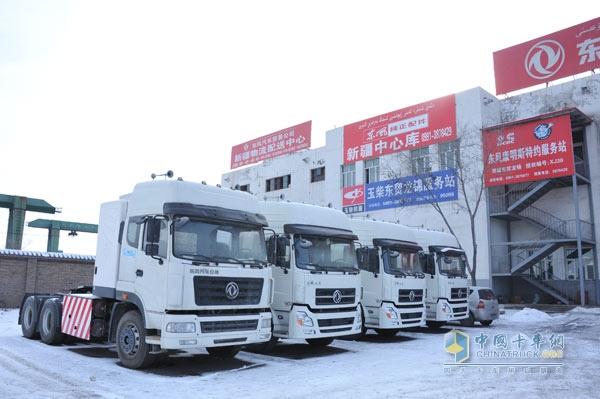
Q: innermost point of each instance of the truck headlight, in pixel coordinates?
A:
(303, 320)
(390, 313)
(180, 328)
(446, 308)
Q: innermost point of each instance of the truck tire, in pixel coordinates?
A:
(469, 321)
(387, 332)
(50, 322)
(224, 352)
(29, 318)
(263, 347)
(133, 351)
(435, 324)
(319, 341)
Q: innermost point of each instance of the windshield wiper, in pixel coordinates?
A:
(349, 269)
(254, 262)
(317, 268)
(397, 273)
(196, 258)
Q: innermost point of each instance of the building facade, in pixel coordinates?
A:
(467, 164)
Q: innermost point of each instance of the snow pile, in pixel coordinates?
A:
(527, 315)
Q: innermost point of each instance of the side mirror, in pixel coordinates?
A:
(153, 230)
(282, 251)
(373, 256)
(152, 249)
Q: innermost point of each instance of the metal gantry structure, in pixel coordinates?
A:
(19, 205)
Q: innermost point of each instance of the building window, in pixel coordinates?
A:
(449, 154)
(278, 183)
(245, 187)
(317, 174)
(420, 161)
(371, 170)
(348, 175)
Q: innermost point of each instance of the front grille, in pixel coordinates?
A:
(458, 293)
(410, 296)
(460, 310)
(343, 296)
(408, 316)
(213, 291)
(346, 321)
(229, 325)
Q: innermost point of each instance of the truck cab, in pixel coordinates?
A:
(444, 265)
(317, 282)
(392, 279)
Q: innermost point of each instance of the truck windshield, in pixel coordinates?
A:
(219, 241)
(321, 253)
(451, 265)
(403, 263)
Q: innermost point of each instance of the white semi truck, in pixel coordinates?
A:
(444, 265)
(179, 265)
(317, 282)
(392, 279)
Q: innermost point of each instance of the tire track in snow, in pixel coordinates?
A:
(40, 381)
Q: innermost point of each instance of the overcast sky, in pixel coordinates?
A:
(97, 96)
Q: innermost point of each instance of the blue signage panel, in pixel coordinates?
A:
(431, 187)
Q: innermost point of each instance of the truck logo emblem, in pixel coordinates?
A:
(337, 296)
(460, 293)
(544, 59)
(411, 296)
(232, 290)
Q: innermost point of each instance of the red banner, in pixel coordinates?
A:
(531, 151)
(564, 53)
(272, 145)
(405, 129)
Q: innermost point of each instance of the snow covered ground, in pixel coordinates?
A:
(412, 364)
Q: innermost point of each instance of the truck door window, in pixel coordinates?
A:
(133, 231)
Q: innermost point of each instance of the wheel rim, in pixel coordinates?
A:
(28, 319)
(129, 339)
(47, 322)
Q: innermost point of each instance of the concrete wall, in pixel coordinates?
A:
(41, 272)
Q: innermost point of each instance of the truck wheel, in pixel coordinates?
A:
(387, 332)
(263, 347)
(225, 352)
(319, 341)
(363, 328)
(485, 322)
(132, 348)
(435, 324)
(469, 321)
(29, 314)
(50, 322)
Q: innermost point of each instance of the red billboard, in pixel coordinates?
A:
(272, 145)
(536, 150)
(560, 54)
(405, 129)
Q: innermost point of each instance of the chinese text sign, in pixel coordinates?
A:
(405, 129)
(272, 145)
(532, 151)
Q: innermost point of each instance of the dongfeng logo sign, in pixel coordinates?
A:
(337, 296)
(232, 290)
(544, 59)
